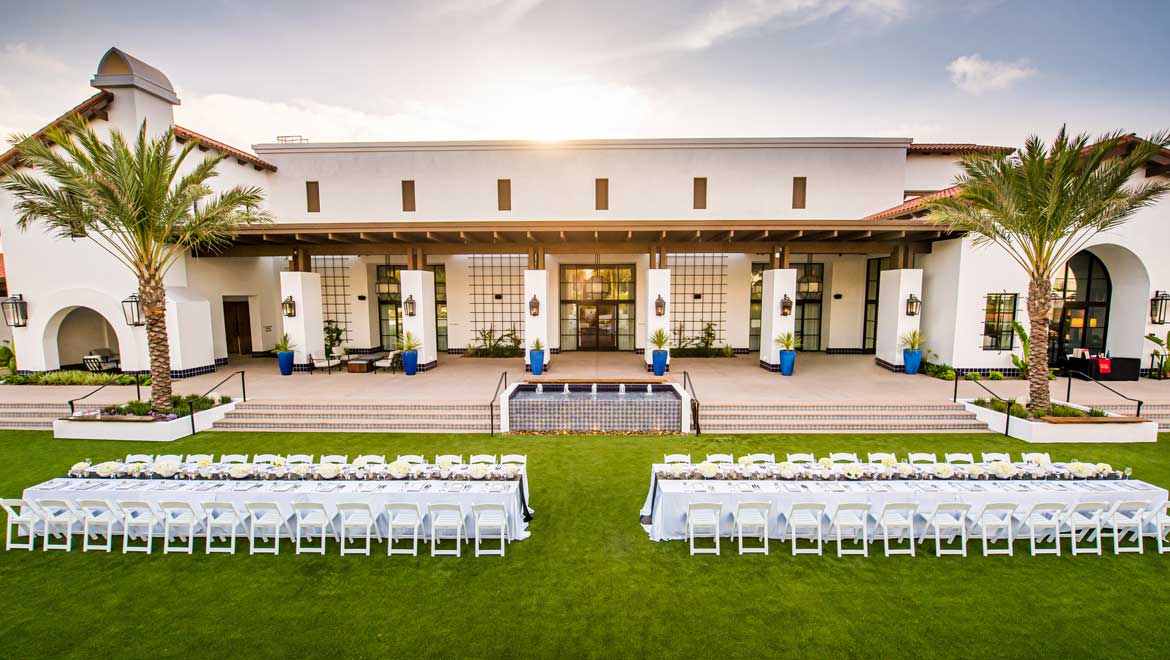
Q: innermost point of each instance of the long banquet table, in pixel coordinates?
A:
(665, 509)
(285, 493)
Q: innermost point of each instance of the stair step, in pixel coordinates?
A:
(360, 407)
(385, 416)
(830, 416)
(33, 406)
(829, 407)
(437, 426)
(25, 423)
(831, 426)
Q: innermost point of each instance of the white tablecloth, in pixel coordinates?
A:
(284, 493)
(669, 511)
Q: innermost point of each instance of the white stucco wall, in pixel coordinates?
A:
(931, 172)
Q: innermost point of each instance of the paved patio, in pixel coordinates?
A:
(818, 377)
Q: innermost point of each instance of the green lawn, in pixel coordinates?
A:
(587, 583)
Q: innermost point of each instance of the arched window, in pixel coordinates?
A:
(1081, 292)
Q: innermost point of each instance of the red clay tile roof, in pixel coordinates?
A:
(3, 273)
(956, 148)
(915, 205)
(184, 134)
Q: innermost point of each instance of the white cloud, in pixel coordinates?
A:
(975, 75)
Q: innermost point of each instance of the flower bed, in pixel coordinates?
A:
(73, 377)
(1087, 425)
(135, 420)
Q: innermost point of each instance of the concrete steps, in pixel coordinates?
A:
(31, 416)
(830, 417)
(403, 417)
(1158, 412)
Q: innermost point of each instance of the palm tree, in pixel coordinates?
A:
(136, 203)
(1043, 204)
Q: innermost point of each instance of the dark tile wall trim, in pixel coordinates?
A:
(428, 366)
(1008, 372)
(639, 351)
(547, 367)
(768, 366)
(650, 367)
(554, 351)
(365, 351)
(220, 361)
(456, 351)
(845, 351)
(896, 368)
(742, 351)
(263, 354)
(175, 373)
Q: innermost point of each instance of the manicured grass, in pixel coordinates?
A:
(588, 583)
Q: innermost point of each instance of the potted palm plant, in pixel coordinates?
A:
(660, 340)
(911, 344)
(787, 343)
(284, 354)
(410, 346)
(536, 357)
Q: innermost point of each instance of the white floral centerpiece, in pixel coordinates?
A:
(975, 471)
(905, 470)
(1004, 470)
(1103, 469)
(478, 471)
(677, 470)
(788, 470)
(854, 471)
(944, 470)
(889, 461)
(165, 469)
(1081, 470)
(135, 469)
(745, 460)
(511, 470)
(399, 469)
(203, 462)
(328, 471)
(825, 462)
(301, 469)
(79, 469)
(240, 471)
(445, 464)
(107, 469)
(279, 461)
(707, 470)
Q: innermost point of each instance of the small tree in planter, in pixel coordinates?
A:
(332, 337)
(284, 354)
(536, 357)
(409, 347)
(1161, 370)
(659, 340)
(787, 343)
(912, 343)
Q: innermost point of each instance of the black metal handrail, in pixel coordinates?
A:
(1007, 403)
(243, 393)
(502, 381)
(689, 385)
(1068, 393)
(137, 393)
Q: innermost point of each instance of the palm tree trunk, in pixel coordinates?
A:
(154, 308)
(1039, 305)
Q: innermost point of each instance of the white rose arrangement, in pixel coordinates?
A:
(399, 469)
(78, 469)
(905, 469)
(135, 469)
(1103, 469)
(1081, 470)
(1003, 470)
(166, 469)
(975, 471)
(788, 470)
(889, 461)
(203, 462)
(707, 470)
(854, 471)
(825, 462)
(279, 461)
(300, 469)
(328, 471)
(944, 470)
(445, 464)
(511, 470)
(240, 471)
(677, 470)
(107, 469)
(745, 460)
(478, 471)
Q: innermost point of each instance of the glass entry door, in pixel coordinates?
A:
(597, 327)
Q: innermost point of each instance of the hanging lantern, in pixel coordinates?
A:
(132, 310)
(289, 306)
(15, 311)
(408, 305)
(913, 305)
(1159, 305)
(534, 306)
(660, 306)
(785, 305)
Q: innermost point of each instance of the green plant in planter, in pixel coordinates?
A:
(913, 340)
(972, 375)
(409, 342)
(1162, 353)
(332, 337)
(1021, 360)
(788, 342)
(283, 344)
(994, 375)
(537, 345)
(659, 339)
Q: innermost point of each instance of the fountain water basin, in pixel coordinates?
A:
(595, 407)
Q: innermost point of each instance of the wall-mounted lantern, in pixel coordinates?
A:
(15, 311)
(132, 310)
(1159, 305)
(660, 306)
(408, 305)
(785, 305)
(289, 307)
(913, 305)
(534, 306)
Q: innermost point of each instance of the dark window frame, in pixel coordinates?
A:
(700, 193)
(409, 203)
(799, 192)
(503, 194)
(999, 312)
(313, 196)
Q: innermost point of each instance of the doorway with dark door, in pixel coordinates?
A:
(237, 326)
(597, 330)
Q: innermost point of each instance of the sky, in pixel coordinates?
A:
(987, 71)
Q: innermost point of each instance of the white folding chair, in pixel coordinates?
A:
(139, 458)
(996, 457)
(844, 457)
(1083, 522)
(922, 458)
(370, 459)
(801, 458)
(896, 522)
(401, 516)
(753, 517)
(703, 522)
(446, 518)
(334, 459)
(264, 518)
(996, 521)
(195, 458)
(412, 459)
(880, 456)
(264, 459)
(948, 519)
(299, 459)
(1044, 522)
(761, 458)
(519, 459)
(720, 459)
(959, 458)
(807, 516)
(1160, 519)
(98, 518)
(676, 458)
(138, 517)
(851, 521)
(490, 518)
(232, 459)
(357, 521)
(1127, 517)
(310, 519)
(1036, 457)
(20, 513)
(222, 520)
(179, 519)
(483, 459)
(58, 519)
(168, 458)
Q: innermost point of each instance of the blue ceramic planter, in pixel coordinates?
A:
(912, 360)
(787, 362)
(659, 362)
(284, 359)
(410, 362)
(536, 358)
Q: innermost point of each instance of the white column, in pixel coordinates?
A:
(777, 284)
(895, 287)
(306, 330)
(657, 284)
(536, 327)
(421, 285)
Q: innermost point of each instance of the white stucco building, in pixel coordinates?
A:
(586, 245)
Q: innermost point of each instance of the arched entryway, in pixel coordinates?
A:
(1099, 304)
(83, 331)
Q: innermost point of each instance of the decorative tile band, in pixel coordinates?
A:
(650, 367)
(583, 414)
(428, 366)
(847, 351)
(221, 361)
(528, 367)
(768, 366)
(742, 351)
(896, 368)
(456, 351)
(364, 351)
(1008, 372)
